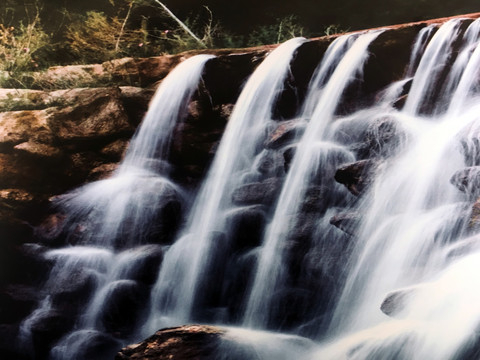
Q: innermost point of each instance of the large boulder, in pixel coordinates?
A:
(202, 342)
(197, 342)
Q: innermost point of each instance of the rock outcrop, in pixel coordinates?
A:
(197, 342)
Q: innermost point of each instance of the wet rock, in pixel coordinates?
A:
(86, 345)
(73, 287)
(103, 171)
(347, 222)
(356, 176)
(284, 133)
(51, 227)
(123, 307)
(264, 192)
(142, 263)
(467, 180)
(463, 247)
(16, 197)
(21, 126)
(395, 302)
(16, 302)
(8, 339)
(46, 329)
(13, 231)
(271, 163)
(319, 198)
(135, 101)
(288, 155)
(469, 139)
(246, 226)
(474, 222)
(197, 342)
(383, 137)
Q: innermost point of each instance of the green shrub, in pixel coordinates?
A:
(95, 38)
(283, 30)
(18, 48)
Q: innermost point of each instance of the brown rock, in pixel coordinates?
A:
(186, 342)
(102, 172)
(474, 222)
(285, 132)
(94, 115)
(115, 150)
(38, 150)
(12, 196)
(20, 126)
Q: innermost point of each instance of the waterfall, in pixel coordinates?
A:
(432, 63)
(342, 228)
(124, 212)
(312, 149)
(411, 216)
(185, 262)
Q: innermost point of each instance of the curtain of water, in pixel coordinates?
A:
(412, 213)
(184, 265)
(125, 204)
(270, 270)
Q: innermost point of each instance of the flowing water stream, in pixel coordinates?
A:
(254, 249)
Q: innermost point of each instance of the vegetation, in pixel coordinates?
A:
(138, 28)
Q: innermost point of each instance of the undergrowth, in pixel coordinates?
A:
(94, 37)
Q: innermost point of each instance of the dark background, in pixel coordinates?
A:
(241, 16)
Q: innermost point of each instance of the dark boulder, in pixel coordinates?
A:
(71, 288)
(123, 307)
(16, 302)
(356, 176)
(46, 328)
(270, 163)
(86, 345)
(245, 227)
(141, 263)
(264, 192)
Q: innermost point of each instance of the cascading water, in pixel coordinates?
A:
(258, 248)
(118, 213)
(312, 158)
(412, 214)
(185, 263)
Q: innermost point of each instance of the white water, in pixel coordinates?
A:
(410, 239)
(121, 211)
(411, 216)
(308, 158)
(431, 65)
(184, 265)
